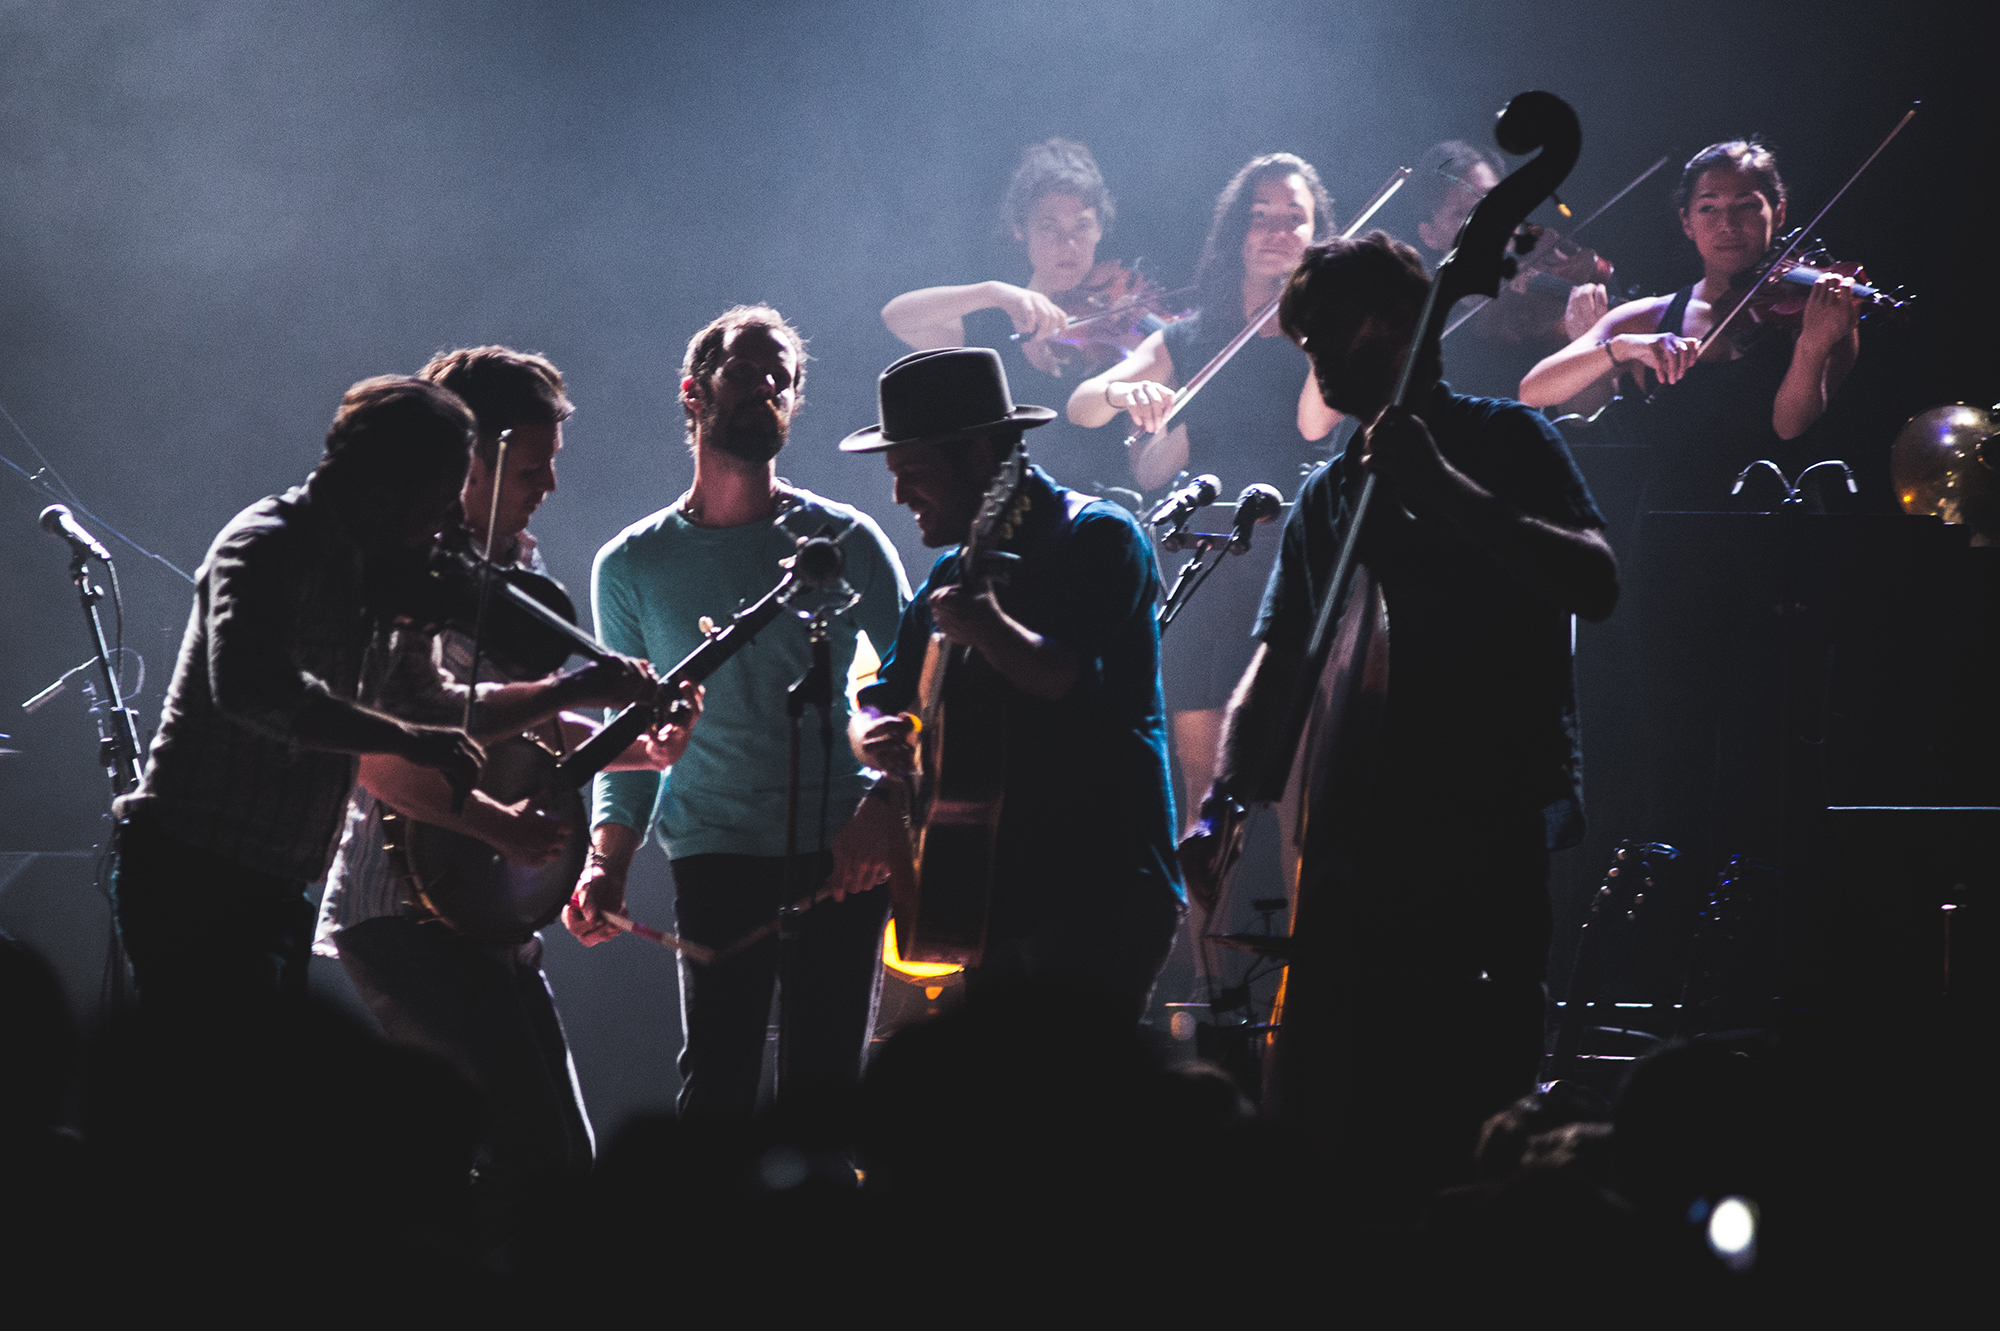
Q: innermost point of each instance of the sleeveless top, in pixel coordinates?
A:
(1716, 421)
(1244, 426)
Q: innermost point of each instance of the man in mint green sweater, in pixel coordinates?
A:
(720, 812)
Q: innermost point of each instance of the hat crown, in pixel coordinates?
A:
(951, 392)
(943, 392)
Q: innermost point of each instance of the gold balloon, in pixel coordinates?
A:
(1942, 463)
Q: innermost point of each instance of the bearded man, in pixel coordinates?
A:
(720, 813)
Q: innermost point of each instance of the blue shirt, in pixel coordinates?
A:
(650, 588)
(1087, 809)
(1482, 700)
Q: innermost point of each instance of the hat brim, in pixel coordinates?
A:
(870, 438)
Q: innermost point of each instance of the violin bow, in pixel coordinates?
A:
(1799, 236)
(1533, 266)
(1263, 316)
(458, 795)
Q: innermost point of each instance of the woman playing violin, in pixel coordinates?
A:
(1057, 209)
(1247, 424)
(1246, 427)
(1720, 402)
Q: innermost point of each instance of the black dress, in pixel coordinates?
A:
(1716, 421)
(1243, 428)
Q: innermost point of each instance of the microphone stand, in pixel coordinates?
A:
(118, 747)
(1195, 572)
(812, 689)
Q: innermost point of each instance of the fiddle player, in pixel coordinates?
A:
(1722, 402)
(720, 813)
(1423, 921)
(1252, 423)
(260, 736)
(486, 1009)
(1057, 209)
(1085, 887)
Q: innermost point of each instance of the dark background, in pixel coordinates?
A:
(214, 217)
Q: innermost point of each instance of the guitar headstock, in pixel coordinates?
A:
(1001, 511)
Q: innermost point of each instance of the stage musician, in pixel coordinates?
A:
(1256, 421)
(487, 1009)
(1085, 886)
(1716, 404)
(1414, 1003)
(721, 812)
(256, 754)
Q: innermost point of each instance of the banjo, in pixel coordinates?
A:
(477, 891)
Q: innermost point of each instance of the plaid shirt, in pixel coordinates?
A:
(279, 621)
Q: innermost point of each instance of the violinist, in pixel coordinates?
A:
(1713, 404)
(1252, 423)
(1057, 209)
(1246, 427)
(248, 777)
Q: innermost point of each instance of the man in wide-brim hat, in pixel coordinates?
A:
(1084, 882)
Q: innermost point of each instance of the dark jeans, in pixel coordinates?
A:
(206, 935)
(1112, 941)
(1417, 1007)
(835, 980)
(487, 1011)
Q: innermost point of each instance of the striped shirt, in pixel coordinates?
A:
(279, 623)
(363, 883)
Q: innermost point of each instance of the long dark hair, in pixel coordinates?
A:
(1751, 156)
(1218, 277)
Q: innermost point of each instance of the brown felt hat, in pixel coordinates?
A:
(945, 394)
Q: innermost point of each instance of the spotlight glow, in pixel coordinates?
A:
(1732, 1232)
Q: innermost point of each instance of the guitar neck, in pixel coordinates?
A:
(615, 735)
(601, 749)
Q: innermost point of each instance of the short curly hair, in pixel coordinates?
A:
(1055, 166)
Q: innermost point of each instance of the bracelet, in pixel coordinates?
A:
(1107, 397)
(1616, 364)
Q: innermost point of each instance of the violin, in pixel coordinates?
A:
(1777, 288)
(1531, 307)
(530, 628)
(1111, 312)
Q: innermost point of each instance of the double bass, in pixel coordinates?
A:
(1329, 728)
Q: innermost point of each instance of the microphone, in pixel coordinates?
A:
(57, 522)
(818, 562)
(1179, 506)
(1257, 503)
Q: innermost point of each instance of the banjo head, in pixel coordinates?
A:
(481, 893)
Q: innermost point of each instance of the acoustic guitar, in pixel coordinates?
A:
(941, 903)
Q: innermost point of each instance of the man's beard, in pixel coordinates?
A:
(754, 432)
